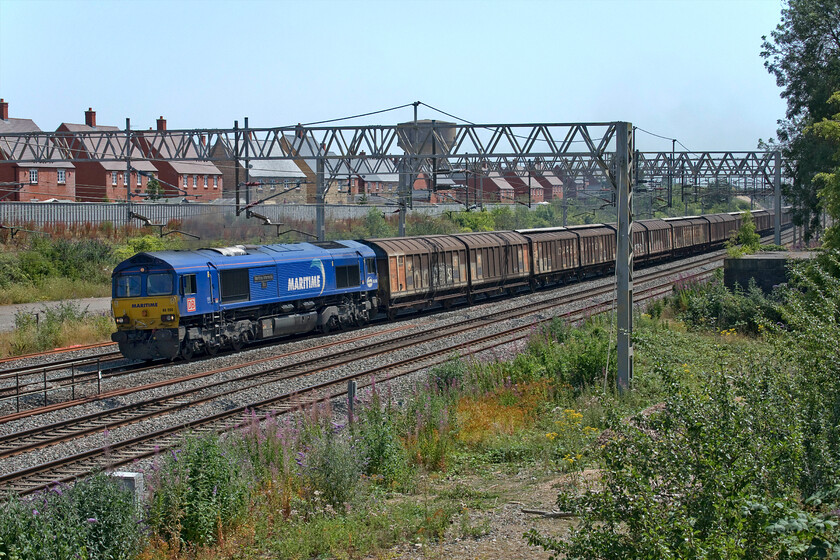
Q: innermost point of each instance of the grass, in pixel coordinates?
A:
(53, 289)
(60, 325)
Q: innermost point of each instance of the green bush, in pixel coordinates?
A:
(93, 520)
(713, 306)
(136, 245)
(333, 466)
(385, 458)
(198, 491)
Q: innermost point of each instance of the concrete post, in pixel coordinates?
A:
(624, 253)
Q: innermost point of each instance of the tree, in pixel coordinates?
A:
(803, 53)
(154, 190)
(828, 182)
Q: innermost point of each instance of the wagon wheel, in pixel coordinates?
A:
(470, 299)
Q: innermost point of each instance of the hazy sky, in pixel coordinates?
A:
(688, 69)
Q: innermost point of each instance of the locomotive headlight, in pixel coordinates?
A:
(121, 320)
(167, 318)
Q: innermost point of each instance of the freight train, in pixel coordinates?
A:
(170, 304)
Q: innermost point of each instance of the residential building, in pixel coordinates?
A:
(99, 180)
(266, 176)
(195, 180)
(525, 185)
(24, 182)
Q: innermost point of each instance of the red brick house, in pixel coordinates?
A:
(98, 181)
(199, 180)
(23, 182)
(552, 185)
(526, 188)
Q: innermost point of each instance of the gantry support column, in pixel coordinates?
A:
(624, 151)
(777, 192)
(320, 195)
(404, 193)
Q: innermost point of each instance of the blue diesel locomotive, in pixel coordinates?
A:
(180, 303)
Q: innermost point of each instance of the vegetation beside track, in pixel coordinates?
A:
(725, 447)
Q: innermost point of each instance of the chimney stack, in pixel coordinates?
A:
(4, 110)
(161, 123)
(90, 117)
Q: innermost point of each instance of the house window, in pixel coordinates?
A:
(114, 178)
(206, 184)
(195, 181)
(126, 178)
(139, 180)
(62, 176)
(216, 182)
(185, 181)
(33, 176)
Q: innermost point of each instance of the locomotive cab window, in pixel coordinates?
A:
(370, 266)
(127, 285)
(159, 284)
(188, 284)
(347, 276)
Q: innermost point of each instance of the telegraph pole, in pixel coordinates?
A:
(624, 252)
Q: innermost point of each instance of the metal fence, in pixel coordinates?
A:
(40, 214)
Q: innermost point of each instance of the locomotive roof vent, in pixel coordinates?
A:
(329, 244)
(235, 251)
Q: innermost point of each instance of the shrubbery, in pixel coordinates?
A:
(741, 465)
(54, 326)
(93, 520)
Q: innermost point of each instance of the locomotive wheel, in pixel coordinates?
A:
(330, 326)
(212, 349)
(187, 351)
(362, 318)
(237, 342)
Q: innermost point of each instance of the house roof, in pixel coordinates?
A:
(385, 173)
(89, 145)
(187, 167)
(267, 168)
(12, 151)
